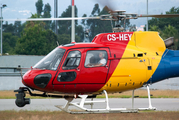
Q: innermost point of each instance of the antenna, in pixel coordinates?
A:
(58, 43)
(73, 21)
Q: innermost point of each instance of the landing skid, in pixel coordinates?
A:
(150, 104)
(107, 109)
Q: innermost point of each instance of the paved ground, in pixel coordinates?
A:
(167, 104)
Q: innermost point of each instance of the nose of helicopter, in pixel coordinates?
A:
(27, 78)
(34, 79)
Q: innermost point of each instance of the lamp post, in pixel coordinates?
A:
(147, 17)
(2, 6)
(73, 21)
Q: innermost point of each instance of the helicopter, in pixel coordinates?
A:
(112, 63)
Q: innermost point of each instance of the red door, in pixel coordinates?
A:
(69, 71)
(90, 71)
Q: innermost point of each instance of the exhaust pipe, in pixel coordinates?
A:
(169, 42)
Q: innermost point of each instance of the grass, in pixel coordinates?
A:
(10, 94)
(58, 115)
(128, 94)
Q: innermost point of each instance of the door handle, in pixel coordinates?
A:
(106, 66)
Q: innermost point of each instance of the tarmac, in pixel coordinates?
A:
(162, 104)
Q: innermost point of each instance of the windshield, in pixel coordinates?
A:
(52, 60)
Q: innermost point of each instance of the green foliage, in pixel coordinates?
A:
(8, 27)
(169, 31)
(9, 42)
(162, 22)
(154, 28)
(66, 39)
(39, 6)
(98, 26)
(96, 10)
(83, 21)
(18, 27)
(167, 27)
(35, 40)
(65, 27)
(47, 10)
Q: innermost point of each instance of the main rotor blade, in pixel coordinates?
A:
(160, 16)
(47, 19)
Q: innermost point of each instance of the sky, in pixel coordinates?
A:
(22, 9)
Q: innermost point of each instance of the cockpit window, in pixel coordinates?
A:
(72, 60)
(52, 60)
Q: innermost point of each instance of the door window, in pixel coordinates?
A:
(72, 60)
(66, 76)
(96, 58)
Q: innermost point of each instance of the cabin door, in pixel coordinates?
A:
(69, 71)
(95, 66)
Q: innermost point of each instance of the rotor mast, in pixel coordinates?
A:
(73, 22)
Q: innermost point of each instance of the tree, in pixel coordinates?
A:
(39, 6)
(98, 26)
(18, 27)
(169, 31)
(65, 27)
(79, 32)
(155, 28)
(83, 21)
(162, 22)
(93, 25)
(15, 28)
(35, 39)
(105, 26)
(8, 27)
(47, 10)
(96, 10)
(9, 43)
(66, 39)
(173, 21)
(167, 27)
